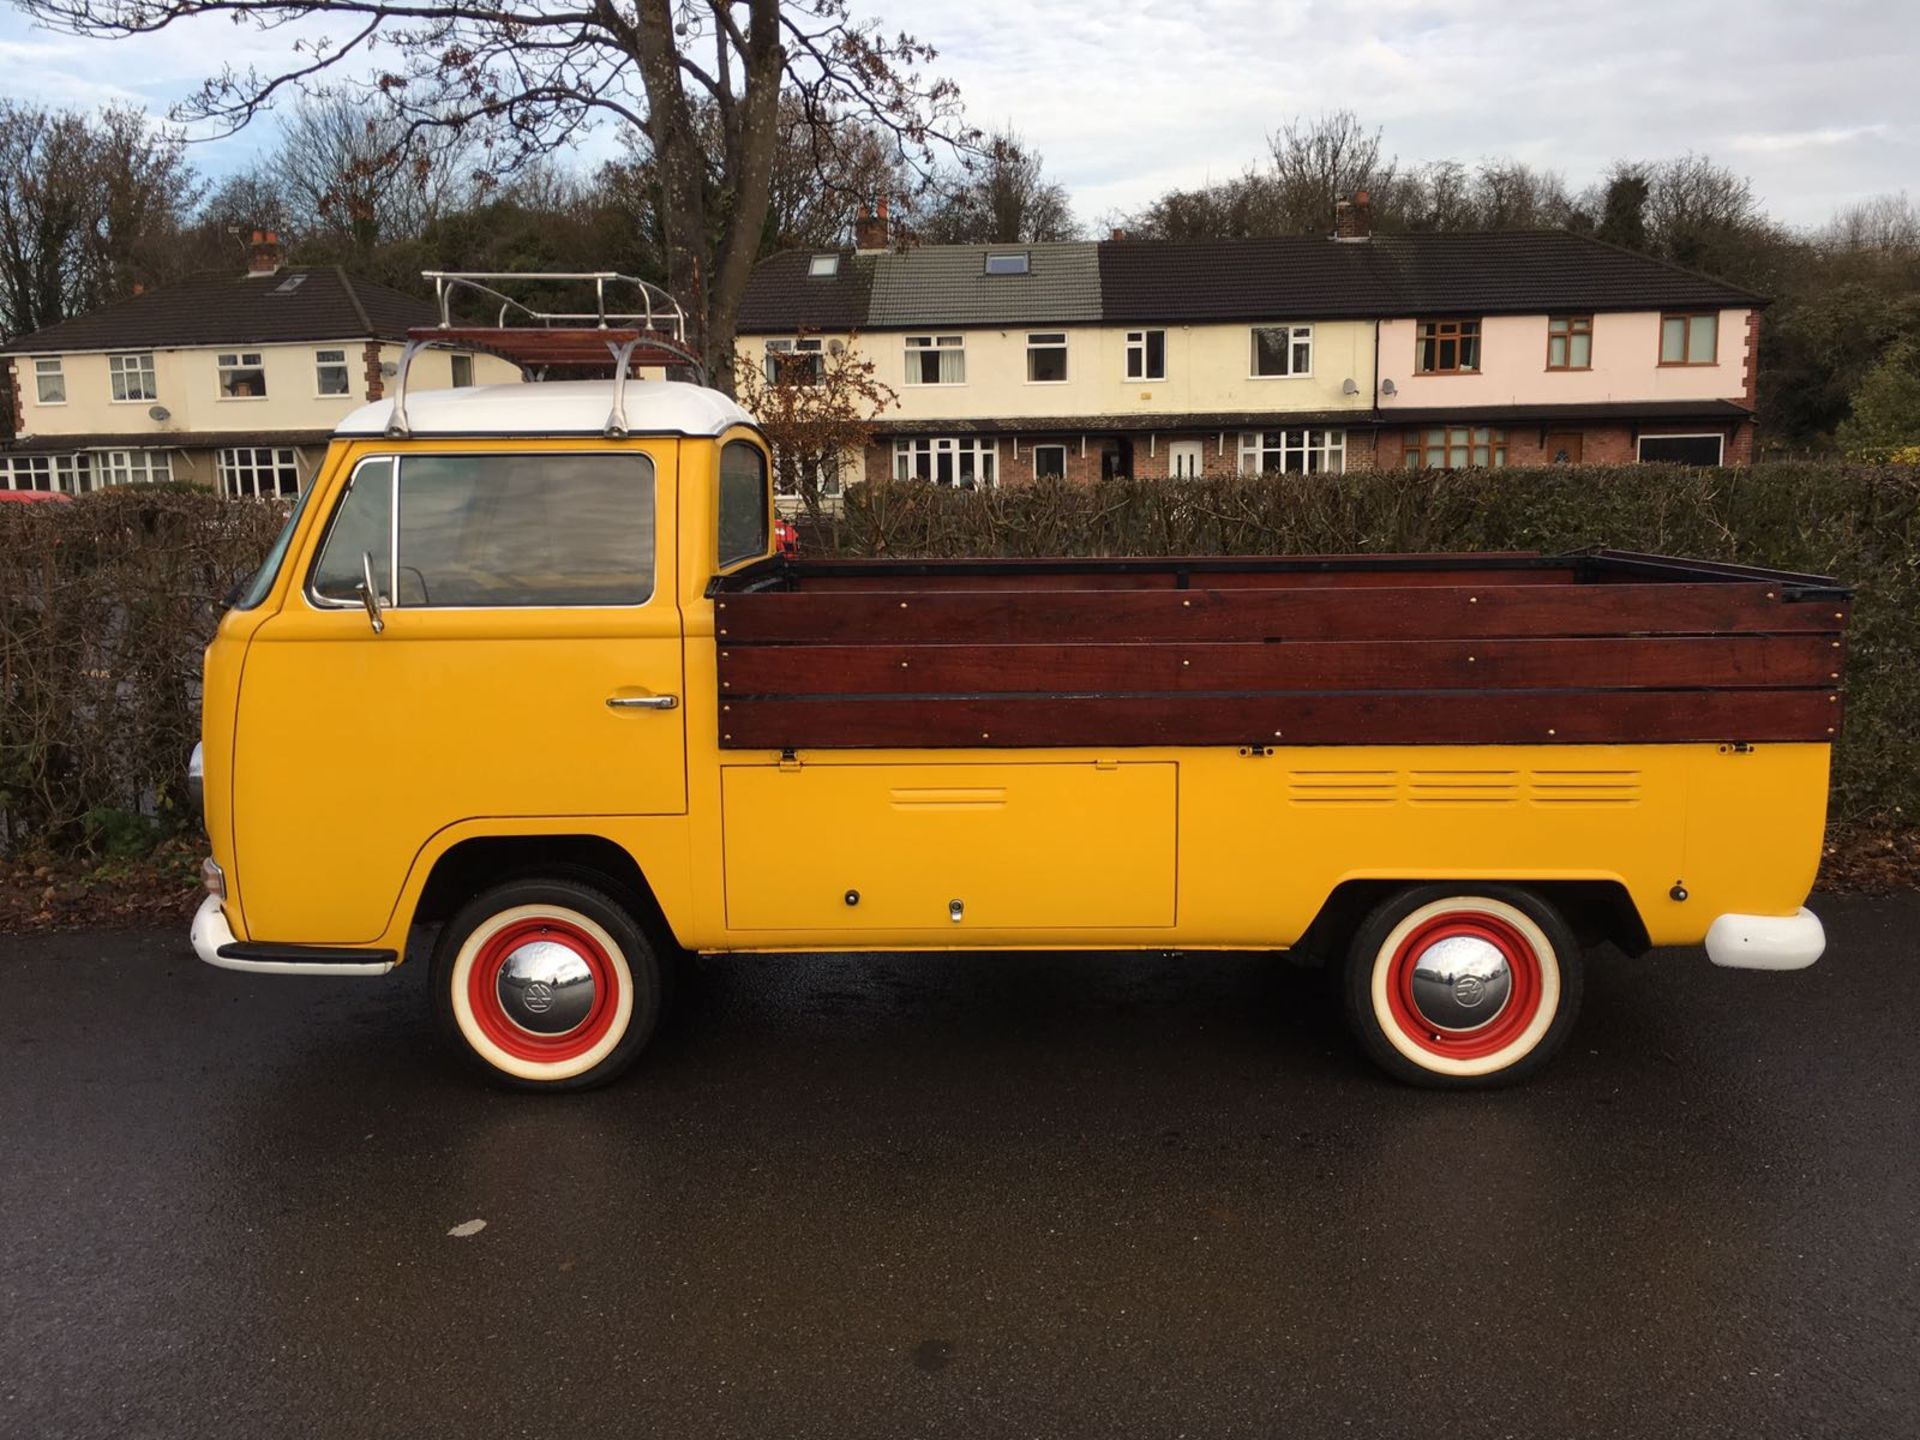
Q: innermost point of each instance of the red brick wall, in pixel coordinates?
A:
(12, 381)
(376, 382)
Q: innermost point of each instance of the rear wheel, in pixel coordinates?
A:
(546, 984)
(1460, 988)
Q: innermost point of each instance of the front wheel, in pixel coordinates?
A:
(1462, 988)
(546, 985)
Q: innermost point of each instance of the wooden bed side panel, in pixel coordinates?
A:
(883, 582)
(1304, 718)
(1364, 613)
(1623, 662)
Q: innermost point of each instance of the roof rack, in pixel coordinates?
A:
(651, 330)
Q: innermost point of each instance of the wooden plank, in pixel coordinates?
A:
(973, 581)
(1638, 662)
(1379, 718)
(1398, 613)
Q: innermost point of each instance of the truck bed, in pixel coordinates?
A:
(1516, 648)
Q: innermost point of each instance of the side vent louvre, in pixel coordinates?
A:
(1343, 787)
(1585, 787)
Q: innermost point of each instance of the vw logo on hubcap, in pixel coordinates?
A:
(537, 997)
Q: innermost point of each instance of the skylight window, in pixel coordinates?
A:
(1013, 263)
(824, 265)
(290, 284)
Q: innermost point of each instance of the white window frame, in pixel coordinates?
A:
(1640, 441)
(1034, 452)
(806, 345)
(821, 267)
(985, 454)
(243, 468)
(1047, 340)
(1318, 450)
(227, 362)
(69, 474)
(132, 366)
(1007, 262)
(131, 467)
(1137, 352)
(1298, 336)
(322, 364)
(454, 362)
(918, 346)
(45, 369)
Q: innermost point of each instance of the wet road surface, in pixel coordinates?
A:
(999, 1196)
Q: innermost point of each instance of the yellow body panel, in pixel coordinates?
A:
(341, 765)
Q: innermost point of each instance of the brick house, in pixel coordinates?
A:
(1297, 353)
(234, 381)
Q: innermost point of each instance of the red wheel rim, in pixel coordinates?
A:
(483, 996)
(1523, 1003)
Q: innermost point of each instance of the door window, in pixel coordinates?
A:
(496, 530)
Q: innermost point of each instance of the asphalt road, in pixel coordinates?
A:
(1000, 1196)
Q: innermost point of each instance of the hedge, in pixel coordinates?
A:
(106, 604)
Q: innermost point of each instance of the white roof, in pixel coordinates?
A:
(554, 407)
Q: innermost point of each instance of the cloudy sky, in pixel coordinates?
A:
(1815, 100)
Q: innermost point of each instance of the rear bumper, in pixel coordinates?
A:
(1766, 942)
(213, 942)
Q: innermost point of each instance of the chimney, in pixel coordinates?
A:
(870, 229)
(1118, 234)
(266, 256)
(1353, 219)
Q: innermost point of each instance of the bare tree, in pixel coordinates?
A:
(540, 75)
(366, 173)
(89, 208)
(1000, 197)
(1316, 163)
(817, 408)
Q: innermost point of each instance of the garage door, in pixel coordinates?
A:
(1681, 449)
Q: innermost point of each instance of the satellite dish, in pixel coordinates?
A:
(159, 412)
(389, 368)
(1349, 388)
(836, 347)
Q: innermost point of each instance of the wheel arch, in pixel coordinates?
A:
(479, 862)
(1596, 909)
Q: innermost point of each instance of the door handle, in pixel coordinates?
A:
(642, 702)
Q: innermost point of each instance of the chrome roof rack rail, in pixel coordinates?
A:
(632, 320)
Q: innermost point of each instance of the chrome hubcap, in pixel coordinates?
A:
(1461, 983)
(545, 988)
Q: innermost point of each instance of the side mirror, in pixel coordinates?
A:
(369, 593)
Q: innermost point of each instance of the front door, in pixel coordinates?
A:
(528, 664)
(1563, 447)
(1184, 458)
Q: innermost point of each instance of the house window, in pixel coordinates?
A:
(49, 382)
(1689, 339)
(967, 463)
(790, 473)
(1293, 452)
(1047, 358)
(800, 362)
(936, 360)
(1448, 347)
(64, 474)
(1016, 263)
(1455, 447)
(1682, 449)
(1282, 350)
(1147, 354)
(250, 472)
(462, 366)
(132, 467)
(1049, 462)
(823, 265)
(132, 377)
(1570, 342)
(330, 375)
(242, 375)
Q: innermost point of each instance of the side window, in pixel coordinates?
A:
(362, 525)
(499, 530)
(744, 523)
(528, 530)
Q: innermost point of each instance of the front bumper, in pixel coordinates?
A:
(213, 942)
(1766, 942)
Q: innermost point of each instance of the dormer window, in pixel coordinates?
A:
(1013, 262)
(824, 265)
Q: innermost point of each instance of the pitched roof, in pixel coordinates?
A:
(1286, 277)
(325, 304)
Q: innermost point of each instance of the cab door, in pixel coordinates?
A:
(523, 658)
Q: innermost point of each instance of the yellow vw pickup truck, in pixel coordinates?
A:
(526, 668)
